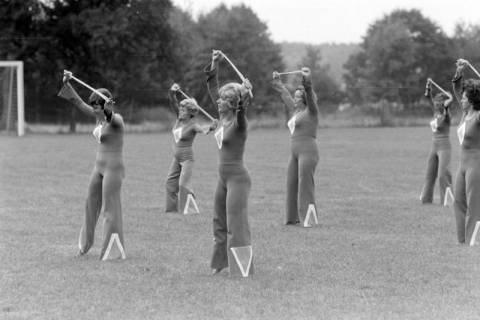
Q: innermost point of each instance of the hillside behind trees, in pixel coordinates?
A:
(335, 55)
(139, 48)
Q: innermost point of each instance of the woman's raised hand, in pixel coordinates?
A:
(306, 72)
(216, 56)
(306, 75)
(175, 87)
(214, 124)
(461, 64)
(428, 86)
(67, 75)
(447, 102)
(247, 84)
(276, 82)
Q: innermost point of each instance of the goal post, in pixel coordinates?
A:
(12, 97)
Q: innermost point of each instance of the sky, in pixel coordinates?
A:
(339, 21)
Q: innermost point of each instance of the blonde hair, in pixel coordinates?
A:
(232, 92)
(191, 105)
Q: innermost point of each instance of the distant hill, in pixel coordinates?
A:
(334, 55)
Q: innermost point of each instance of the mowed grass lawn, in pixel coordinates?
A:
(376, 254)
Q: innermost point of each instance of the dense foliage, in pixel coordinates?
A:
(138, 48)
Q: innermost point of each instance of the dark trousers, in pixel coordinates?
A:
(467, 195)
(300, 179)
(178, 185)
(438, 164)
(103, 189)
(230, 220)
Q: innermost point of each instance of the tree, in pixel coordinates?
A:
(240, 34)
(191, 54)
(126, 46)
(398, 53)
(21, 24)
(327, 91)
(467, 43)
(123, 45)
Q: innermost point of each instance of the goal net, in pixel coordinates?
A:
(12, 115)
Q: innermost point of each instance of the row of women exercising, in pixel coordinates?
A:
(466, 187)
(232, 248)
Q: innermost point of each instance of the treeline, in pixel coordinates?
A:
(334, 55)
(399, 52)
(138, 48)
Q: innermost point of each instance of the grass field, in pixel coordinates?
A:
(377, 253)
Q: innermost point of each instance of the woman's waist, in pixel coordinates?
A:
(227, 161)
(306, 144)
(442, 133)
(228, 153)
(230, 162)
(312, 136)
(440, 141)
(110, 148)
(471, 138)
(183, 155)
(470, 157)
(470, 151)
(184, 144)
(232, 168)
(109, 157)
(182, 149)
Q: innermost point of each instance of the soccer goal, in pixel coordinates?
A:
(12, 112)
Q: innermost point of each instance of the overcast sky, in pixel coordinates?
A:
(319, 21)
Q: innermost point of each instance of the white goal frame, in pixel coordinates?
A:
(18, 67)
